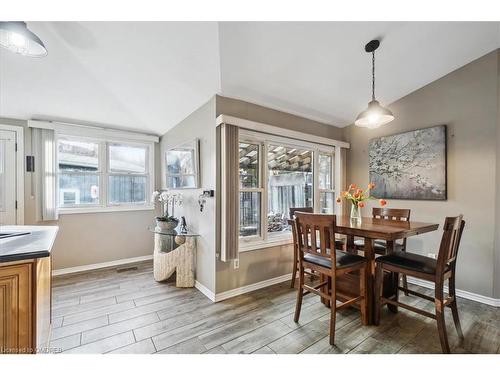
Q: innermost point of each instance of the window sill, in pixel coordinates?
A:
(258, 245)
(92, 210)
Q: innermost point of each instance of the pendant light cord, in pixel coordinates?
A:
(373, 75)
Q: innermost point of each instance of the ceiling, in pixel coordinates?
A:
(148, 76)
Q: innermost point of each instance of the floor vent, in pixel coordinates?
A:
(119, 270)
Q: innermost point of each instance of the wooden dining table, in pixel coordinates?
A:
(371, 229)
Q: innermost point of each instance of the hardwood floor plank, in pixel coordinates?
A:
(300, 338)
(73, 309)
(66, 343)
(257, 338)
(86, 325)
(104, 346)
(192, 346)
(264, 350)
(120, 327)
(94, 313)
(168, 301)
(141, 347)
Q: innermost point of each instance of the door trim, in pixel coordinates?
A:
(19, 130)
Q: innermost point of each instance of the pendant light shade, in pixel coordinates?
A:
(15, 36)
(375, 115)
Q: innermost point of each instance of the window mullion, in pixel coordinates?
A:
(103, 169)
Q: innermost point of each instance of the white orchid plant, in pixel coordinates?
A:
(166, 198)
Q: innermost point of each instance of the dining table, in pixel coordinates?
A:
(372, 229)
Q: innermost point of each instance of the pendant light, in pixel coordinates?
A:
(15, 36)
(375, 115)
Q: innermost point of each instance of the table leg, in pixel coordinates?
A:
(370, 279)
(350, 248)
(394, 281)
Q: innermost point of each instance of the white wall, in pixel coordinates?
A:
(201, 125)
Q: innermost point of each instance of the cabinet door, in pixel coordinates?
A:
(15, 308)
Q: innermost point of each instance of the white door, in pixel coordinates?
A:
(7, 177)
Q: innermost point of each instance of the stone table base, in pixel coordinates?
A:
(180, 260)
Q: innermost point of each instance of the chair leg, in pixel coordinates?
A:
(454, 308)
(362, 292)
(295, 266)
(379, 278)
(441, 325)
(300, 293)
(395, 291)
(405, 284)
(333, 310)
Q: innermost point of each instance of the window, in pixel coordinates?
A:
(79, 172)
(326, 192)
(276, 174)
(99, 174)
(290, 178)
(128, 173)
(250, 190)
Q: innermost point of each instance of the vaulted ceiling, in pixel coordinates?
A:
(148, 76)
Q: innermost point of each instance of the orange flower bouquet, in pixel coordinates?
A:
(358, 197)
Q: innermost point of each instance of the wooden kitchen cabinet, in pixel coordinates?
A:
(25, 305)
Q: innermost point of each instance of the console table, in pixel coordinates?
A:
(174, 251)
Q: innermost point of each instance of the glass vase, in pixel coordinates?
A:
(356, 214)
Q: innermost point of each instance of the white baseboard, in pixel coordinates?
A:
(250, 288)
(207, 292)
(96, 266)
(460, 293)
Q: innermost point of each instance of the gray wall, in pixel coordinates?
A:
(254, 112)
(496, 273)
(94, 237)
(200, 124)
(466, 100)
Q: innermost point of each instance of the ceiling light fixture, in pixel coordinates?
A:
(15, 36)
(375, 115)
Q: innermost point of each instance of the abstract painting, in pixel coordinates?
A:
(409, 165)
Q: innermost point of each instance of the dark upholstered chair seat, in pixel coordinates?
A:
(343, 259)
(409, 261)
(379, 245)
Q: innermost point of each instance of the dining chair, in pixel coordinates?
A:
(380, 246)
(339, 244)
(291, 222)
(435, 270)
(316, 255)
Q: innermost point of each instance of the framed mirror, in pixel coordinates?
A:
(182, 166)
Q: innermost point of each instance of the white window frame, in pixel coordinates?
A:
(332, 179)
(266, 239)
(104, 173)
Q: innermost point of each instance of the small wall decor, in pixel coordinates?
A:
(410, 165)
(182, 166)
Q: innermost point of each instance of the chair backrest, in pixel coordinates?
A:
(293, 210)
(291, 222)
(401, 214)
(309, 226)
(450, 242)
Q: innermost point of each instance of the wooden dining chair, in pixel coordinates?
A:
(436, 271)
(316, 255)
(291, 222)
(380, 246)
(339, 244)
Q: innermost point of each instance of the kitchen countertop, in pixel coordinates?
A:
(37, 244)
